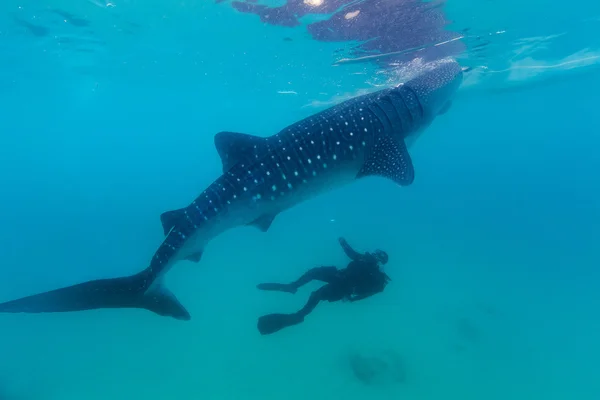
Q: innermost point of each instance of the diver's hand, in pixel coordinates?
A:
(350, 252)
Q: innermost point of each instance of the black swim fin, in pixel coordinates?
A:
(272, 323)
(278, 287)
(135, 291)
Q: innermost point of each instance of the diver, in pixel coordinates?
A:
(362, 278)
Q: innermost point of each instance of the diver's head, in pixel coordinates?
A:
(381, 256)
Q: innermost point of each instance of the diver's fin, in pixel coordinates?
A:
(126, 292)
(234, 147)
(271, 323)
(278, 287)
(389, 158)
(169, 219)
(263, 222)
(194, 257)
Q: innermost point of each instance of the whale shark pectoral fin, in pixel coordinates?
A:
(234, 147)
(263, 222)
(390, 159)
(445, 109)
(194, 257)
(169, 219)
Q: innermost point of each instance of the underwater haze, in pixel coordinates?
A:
(108, 111)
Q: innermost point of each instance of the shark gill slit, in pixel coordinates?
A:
(382, 115)
(411, 92)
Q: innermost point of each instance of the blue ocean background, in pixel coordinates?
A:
(107, 116)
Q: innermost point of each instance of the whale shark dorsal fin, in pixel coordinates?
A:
(169, 219)
(234, 147)
(390, 159)
(263, 222)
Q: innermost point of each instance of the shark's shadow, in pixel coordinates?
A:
(377, 367)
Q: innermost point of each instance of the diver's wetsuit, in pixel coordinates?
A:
(361, 278)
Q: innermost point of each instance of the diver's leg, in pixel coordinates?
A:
(323, 274)
(314, 299)
(274, 322)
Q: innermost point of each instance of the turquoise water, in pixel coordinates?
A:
(108, 116)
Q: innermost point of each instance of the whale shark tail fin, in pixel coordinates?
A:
(135, 291)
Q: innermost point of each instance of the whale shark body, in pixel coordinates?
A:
(263, 176)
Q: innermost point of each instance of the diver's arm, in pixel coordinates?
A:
(363, 295)
(350, 252)
(368, 293)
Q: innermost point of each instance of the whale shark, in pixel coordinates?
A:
(364, 136)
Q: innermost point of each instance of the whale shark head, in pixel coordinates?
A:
(436, 87)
